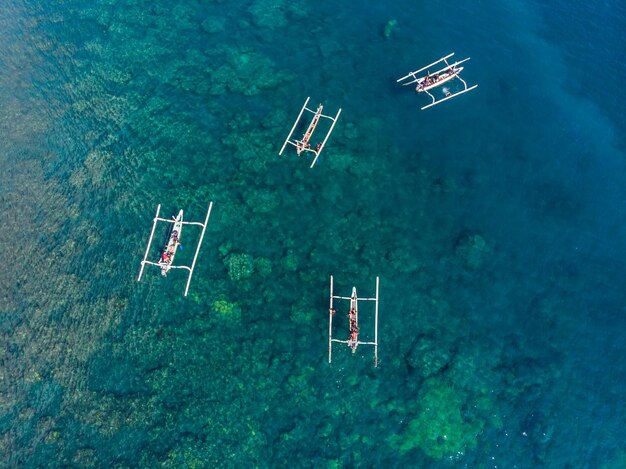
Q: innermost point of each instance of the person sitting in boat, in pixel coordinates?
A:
(354, 328)
(164, 256)
(451, 70)
(318, 146)
(175, 236)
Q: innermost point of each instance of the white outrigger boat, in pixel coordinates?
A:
(429, 81)
(167, 258)
(353, 322)
(166, 261)
(303, 145)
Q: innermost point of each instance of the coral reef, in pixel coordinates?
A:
(440, 428)
(274, 14)
(428, 357)
(472, 250)
(240, 266)
(214, 24)
(182, 103)
(389, 27)
(244, 71)
(226, 308)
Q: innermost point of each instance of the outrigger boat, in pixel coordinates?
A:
(166, 261)
(353, 322)
(353, 319)
(429, 81)
(303, 145)
(167, 258)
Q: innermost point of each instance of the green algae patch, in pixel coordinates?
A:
(440, 428)
(263, 266)
(290, 261)
(240, 266)
(226, 309)
(389, 28)
(303, 312)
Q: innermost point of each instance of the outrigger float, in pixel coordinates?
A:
(303, 145)
(353, 322)
(166, 261)
(429, 81)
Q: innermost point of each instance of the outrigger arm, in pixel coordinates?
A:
(412, 74)
(447, 67)
(195, 257)
(317, 152)
(435, 101)
(144, 261)
(294, 126)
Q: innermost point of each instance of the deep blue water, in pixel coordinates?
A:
(495, 222)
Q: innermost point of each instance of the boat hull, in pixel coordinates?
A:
(172, 244)
(439, 82)
(353, 341)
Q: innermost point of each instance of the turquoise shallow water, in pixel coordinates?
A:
(495, 223)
